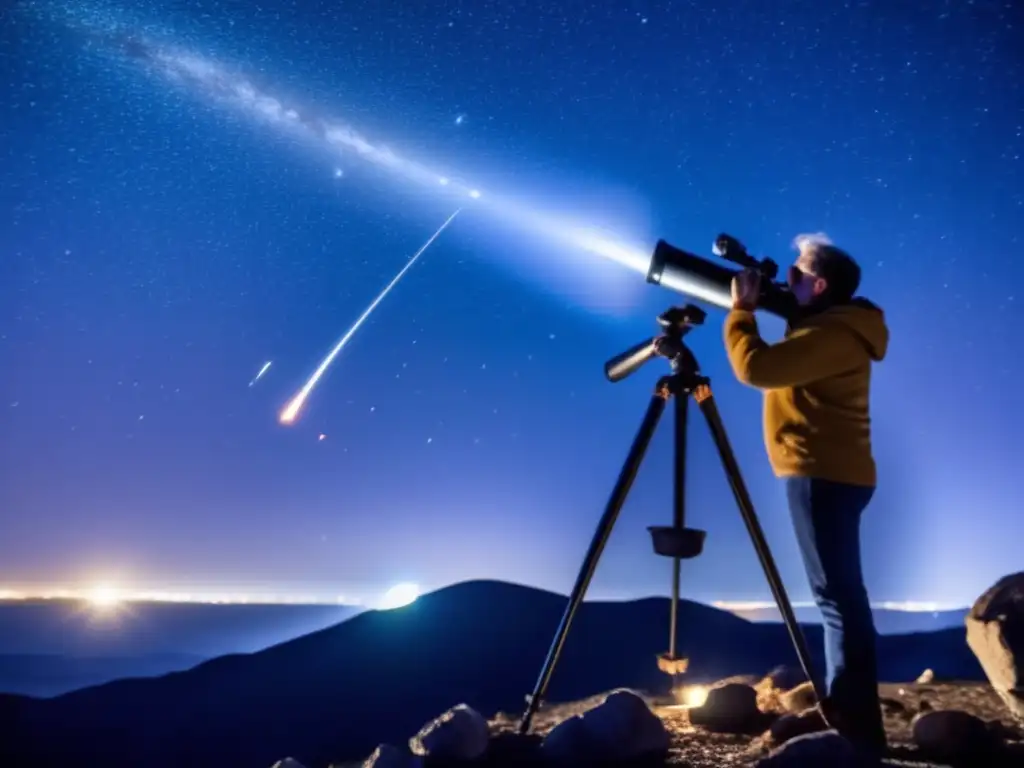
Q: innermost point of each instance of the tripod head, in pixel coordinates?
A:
(676, 322)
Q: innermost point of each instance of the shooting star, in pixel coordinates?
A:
(263, 370)
(291, 411)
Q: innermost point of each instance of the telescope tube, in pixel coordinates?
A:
(705, 280)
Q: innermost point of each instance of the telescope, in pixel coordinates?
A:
(690, 274)
(705, 280)
(695, 276)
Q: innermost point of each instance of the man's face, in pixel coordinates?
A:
(803, 280)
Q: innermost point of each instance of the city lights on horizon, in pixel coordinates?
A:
(908, 606)
(107, 595)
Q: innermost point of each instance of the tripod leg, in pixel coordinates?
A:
(678, 511)
(604, 528)
(706, 402)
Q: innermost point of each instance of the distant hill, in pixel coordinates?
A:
(74, 628)
(336, 693)
(50, 647)
(887, 621)
(48, 675)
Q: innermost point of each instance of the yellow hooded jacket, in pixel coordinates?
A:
(817, 386)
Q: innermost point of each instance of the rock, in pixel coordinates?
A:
(785, 678)
(626, 728)
(792, 726)
(799, 699)
(461, 733)
(995, 634)
(620, 728)
(928, 676)
(730, 708)
(949, 735)
(288, 762)
(569, 743)
(390, 756)
(1002, 732)
(513, 750)
(816, 750)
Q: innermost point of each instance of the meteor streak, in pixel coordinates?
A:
(263, 370)
(291, 411)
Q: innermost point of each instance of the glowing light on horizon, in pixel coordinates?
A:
(214, 594)
(109, 596)
(400, 596)
(291, 410)
(906, 606)
(104, 596)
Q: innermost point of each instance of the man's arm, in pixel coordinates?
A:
(808, 355)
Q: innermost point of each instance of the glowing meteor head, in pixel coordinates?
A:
(290, 412)
(443, 181)
(475, 194)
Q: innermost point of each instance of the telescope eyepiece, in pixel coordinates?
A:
(731, 249)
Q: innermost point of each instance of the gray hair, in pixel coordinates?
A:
(811, 242)
(836, 266)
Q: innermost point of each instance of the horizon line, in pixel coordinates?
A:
(200, 597)
(906, 606)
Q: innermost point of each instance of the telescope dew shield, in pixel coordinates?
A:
(705, 280)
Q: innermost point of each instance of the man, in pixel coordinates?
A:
(817, 432)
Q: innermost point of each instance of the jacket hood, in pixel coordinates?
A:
(864, 319)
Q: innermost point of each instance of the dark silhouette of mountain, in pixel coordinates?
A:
(51, 675)
(74, 628)
(887, 621)
(336, 693)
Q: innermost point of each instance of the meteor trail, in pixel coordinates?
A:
(291, 411)
(263, 370)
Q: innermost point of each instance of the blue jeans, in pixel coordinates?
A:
(826, 516)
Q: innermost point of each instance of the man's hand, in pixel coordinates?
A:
(746, 287)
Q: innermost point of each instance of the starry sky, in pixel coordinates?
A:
(157, 248)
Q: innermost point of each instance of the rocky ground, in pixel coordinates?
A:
(696, 747)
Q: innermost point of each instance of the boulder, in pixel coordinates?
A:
(792, 726)
(461, 733)
(513, 750)
(390, 756)
(729, 708)
(621, 728)
(995, 634)
(816, 750)
(952, 736)
(570, 743)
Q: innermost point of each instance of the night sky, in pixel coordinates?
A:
(157, 248)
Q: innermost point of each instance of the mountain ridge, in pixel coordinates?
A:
(336, 693)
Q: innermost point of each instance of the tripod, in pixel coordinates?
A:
(676, 541)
